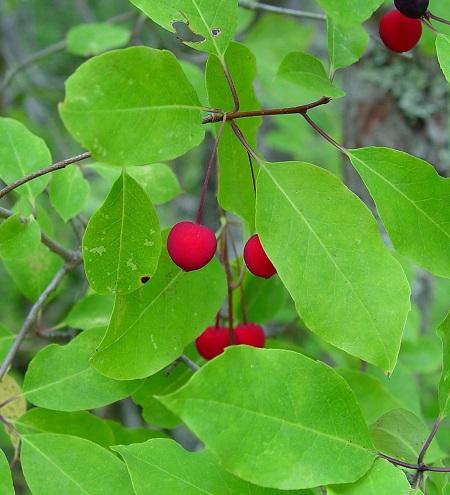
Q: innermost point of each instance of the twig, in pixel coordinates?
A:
(33, 313)
(301, 109)
(231, 86)
(43, 171)
(66, 254)
(416, 467)
(429, 15)
(247, 4)
(188, 362)
(320, 131)
(428, 441)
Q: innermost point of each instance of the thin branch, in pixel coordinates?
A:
(429, 15)
(415, 467)
(66, 254)
(43, 171)
(301, 109)
(33, 313)
(189, 363)
(50, 50)
(231, 86)
(428, 441)
(247, 4)
(320, 131)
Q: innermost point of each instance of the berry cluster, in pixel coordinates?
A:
(401, 28)
(191, 247)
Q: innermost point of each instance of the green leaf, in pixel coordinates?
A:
(309, 74)
(54, 464)
(21, 153)
(140, 341)
(158, 181)
(443, 54)
(6, 339)
(126, 436)
(122, 242)
(236, 192)
(372, 396)
(61, 377)
(163, 466)
(444, 385)
(347, 12)
(401, 434)
(382, 479)
(17, 236)
(412, 201)
(214, 21)
(79, 424)
(90, 312)
(95, 38)
(156, 119)
(346, 44)
(68, 191)
(285, 431)
(33, 273)
(13, 405)
(329, 254)
(6, 484)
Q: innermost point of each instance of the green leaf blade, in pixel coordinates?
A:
(300, 418)
(97, 37)
(133, 106)
(419, 223)
(444, 385)
(346, 285)
(122, 242)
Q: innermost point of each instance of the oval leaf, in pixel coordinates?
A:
(348, 12)
(297, 420)
(347, 287)
(155, 467)
(17, 236)
(443, 54)
(132, 107)
(140, 341)
(122, 242)
(61, 378)
(412, 200)
(95, 38)
(6, 484)
(444, 385)
(55, 464)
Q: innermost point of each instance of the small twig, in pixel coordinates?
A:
(231, 86)
(429, 15)
(415, 467)
(300, 109)
(188, 362)
(66, 254)
(320, 131)
(209, 171)
(33, 313)
(43, 171)
(247, 4)
(429, 439)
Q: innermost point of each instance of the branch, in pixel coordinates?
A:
(301, 109)
(416, 467)
(33, 313)
(43, 171)
(428, 441)
(248, 4)
(66, 254)
(50, 50)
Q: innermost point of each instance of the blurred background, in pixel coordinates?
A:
(392, 100)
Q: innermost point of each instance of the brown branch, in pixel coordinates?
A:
(66, 254)
(301, 109)
(416, 467)
(43, 171)
(33, 313)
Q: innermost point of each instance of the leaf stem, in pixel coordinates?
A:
(231, 85)
(226, 263)
(416, 467)
(39, 173)
(429, 439)
(248, 4)
(209, 171)
(430, 15)
(320, 131)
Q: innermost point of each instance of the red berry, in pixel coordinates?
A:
(256, 258)
(191, 245)
(398, 32)
(212, 342)
(249, 334)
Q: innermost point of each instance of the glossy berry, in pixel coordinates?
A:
(398, 32)
(212, 342)
(249, 334)
(257, 260)
(191, 245)
(412, 8)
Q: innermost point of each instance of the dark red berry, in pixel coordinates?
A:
(257, 260)
(191, 245)
(412, 8)
(249, 334)
(212, 342)
(398, 32)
